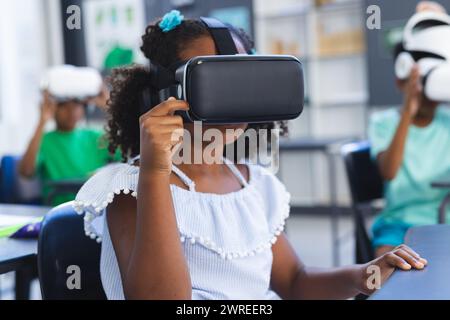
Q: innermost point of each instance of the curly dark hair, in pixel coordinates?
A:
(129, 82)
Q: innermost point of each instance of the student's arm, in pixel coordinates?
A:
(291, 279)
(390, 161)
(27, 166)
(144, 232)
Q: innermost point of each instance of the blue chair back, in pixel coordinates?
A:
(366, 185)
(8, 179)
(15, 189)
(62, 247)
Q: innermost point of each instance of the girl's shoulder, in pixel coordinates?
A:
(100, 190)
(107, 182)
(276, 196)
(265, 178)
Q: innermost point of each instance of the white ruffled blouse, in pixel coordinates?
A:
(226, 239)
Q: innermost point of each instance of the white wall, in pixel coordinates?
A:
(27, 47)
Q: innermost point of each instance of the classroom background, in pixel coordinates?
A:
(347, 67)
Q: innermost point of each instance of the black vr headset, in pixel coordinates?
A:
(230, 88)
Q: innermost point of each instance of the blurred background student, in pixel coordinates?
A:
(411, 146)
(69, 151)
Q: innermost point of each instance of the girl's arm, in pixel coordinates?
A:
(27, 165)
(291, 279)
(144, 232)
(391, 160)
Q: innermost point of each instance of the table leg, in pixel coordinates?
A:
(23, 279)
(443, 209)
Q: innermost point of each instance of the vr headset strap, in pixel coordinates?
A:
(163, 79)
(221, 35)
(160, 78)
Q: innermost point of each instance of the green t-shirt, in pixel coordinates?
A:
(410, 199)
(71, 155)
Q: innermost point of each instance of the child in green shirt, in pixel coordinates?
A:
(67, 152)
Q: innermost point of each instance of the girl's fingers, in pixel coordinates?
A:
(412, 261)
(413, 253)
(167, 133)
(162, 122)
(171, 128)
(168, 107)
(169, 120)
(171, 139)
(409, 250)
(397, 262)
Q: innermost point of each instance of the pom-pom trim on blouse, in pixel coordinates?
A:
(94, 210)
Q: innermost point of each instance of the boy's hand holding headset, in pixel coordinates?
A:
(48, 108)
(101, 101)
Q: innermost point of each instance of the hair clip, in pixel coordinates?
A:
(171, 20)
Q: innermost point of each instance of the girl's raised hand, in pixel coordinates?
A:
(161, 131)
(402, 257)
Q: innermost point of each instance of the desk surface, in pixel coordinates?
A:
(442, 183)
(23, 210)
(433, 283)
(16, 253)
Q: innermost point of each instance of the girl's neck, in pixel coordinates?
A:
(207, 166)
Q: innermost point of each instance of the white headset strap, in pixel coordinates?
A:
(422, 16)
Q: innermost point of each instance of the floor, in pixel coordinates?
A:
(309, 235)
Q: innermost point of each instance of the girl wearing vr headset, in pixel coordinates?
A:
(412, 148)
(204, 231)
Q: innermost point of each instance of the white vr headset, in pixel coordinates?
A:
(70, 83)
(426, 42)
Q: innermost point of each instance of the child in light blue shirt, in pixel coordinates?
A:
(410, 199)
(412, 148)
